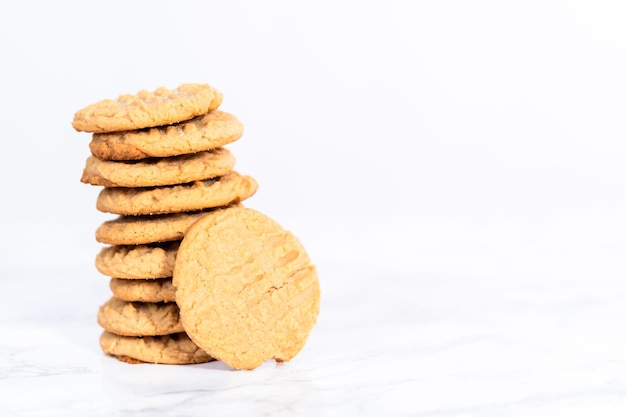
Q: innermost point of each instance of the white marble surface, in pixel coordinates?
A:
(441, 338)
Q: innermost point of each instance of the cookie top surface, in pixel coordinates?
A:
(139, 319)
(174, 349)
(199, 195)
(246, 288)
(160, 290)
(138, 261)
(148, 109)
(143, 229)
(154, 172)
(201, 133)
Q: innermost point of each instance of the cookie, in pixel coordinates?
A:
(198, 195)
(202, 133)
(128, 359)
(144, 290)
(138, 230)
(174, 349)
(246, 288)
(158, 171)
(148, 109)
(139, 261)
(139, 319)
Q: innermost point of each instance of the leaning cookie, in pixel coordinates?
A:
(148, 109)
(142, 229)
(202, 133)
(145, 290)
(228, 189)
(154, 172)
(173, 349)
(139, 319)
(138, 261)
(246, 288)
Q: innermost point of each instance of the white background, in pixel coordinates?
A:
(392, 134)
(454, 168)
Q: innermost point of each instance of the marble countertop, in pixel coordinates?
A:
(388, 342)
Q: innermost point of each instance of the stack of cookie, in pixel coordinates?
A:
(160, 158)
(195, 276)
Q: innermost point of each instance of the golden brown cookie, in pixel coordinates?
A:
(154, 172)
(198, 195)
(246, 288)
(128, 359)
(139, 319)
(202, 133)
(148, 109)
(138, 262)
(174, 349)
(142, 229)
(145, 290)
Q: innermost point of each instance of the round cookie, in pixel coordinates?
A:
(198, 195)
(173, 349)
(145, 290)
(154, 172)
(147, 109)
(139, 319)
(138, 262)
(246, 288)
(142, 229)
(202, 133)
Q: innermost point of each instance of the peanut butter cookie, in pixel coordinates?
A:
(142, 229)
(246, 288)
(198, 195)
(139, 319)
(202, 133)
(148, 109)
(154, 172)
(173, 349)
(145, 290)
(139, 261)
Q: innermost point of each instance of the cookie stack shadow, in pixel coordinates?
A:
(162, 166)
